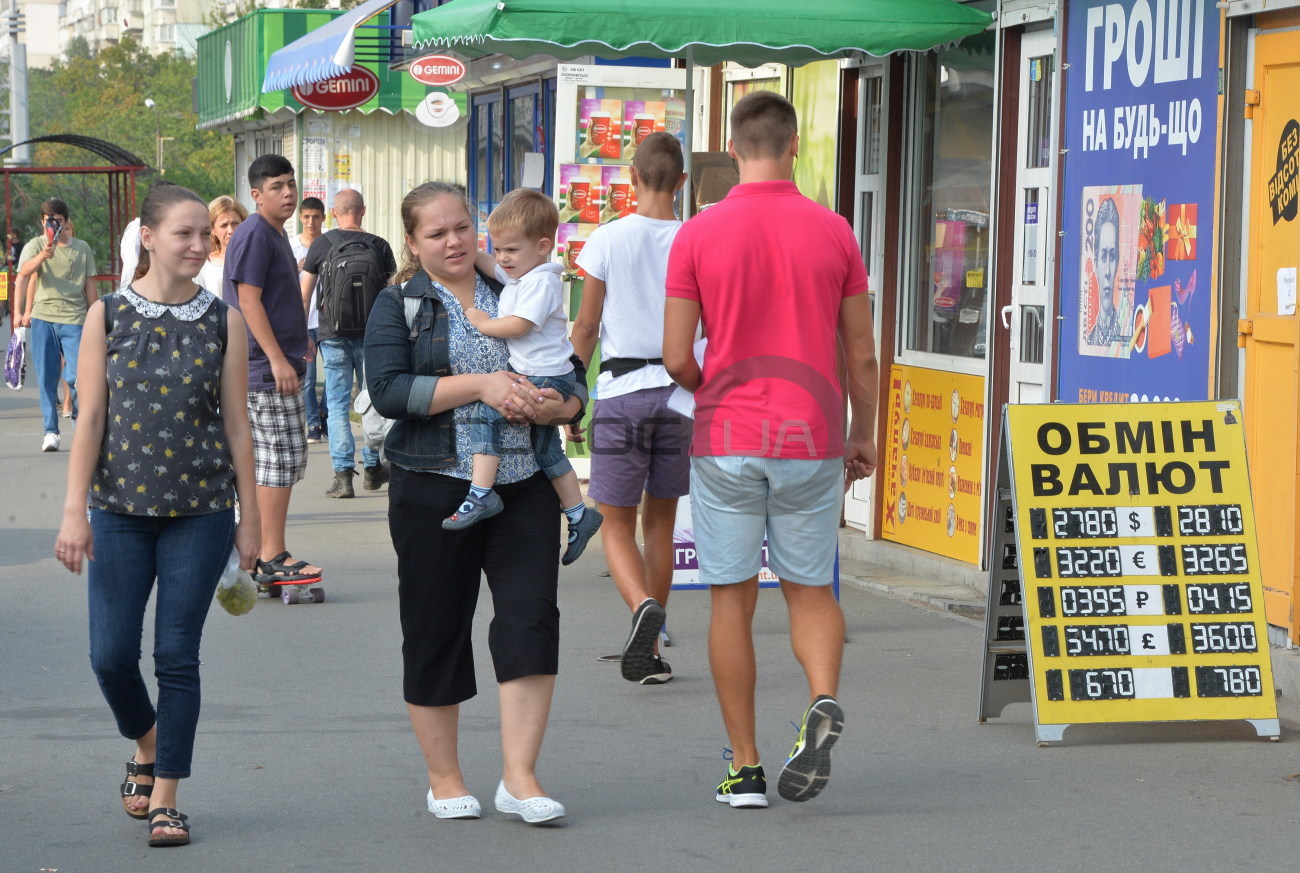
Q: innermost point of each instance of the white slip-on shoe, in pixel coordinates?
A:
(533, 810)
(455, 807)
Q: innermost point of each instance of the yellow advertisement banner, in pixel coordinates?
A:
(933, 465)
(4, 284)
(1138, 562)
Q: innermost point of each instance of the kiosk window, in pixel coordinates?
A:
(946, 307)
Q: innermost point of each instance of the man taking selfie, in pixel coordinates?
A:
(57, 269)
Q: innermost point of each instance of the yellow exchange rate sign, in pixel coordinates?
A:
(1138, 565)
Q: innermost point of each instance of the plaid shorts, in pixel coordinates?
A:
(279, 427)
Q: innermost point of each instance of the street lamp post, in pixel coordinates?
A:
(159, 139)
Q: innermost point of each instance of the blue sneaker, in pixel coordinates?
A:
(473, 510)
(580, 533)
(808, 768)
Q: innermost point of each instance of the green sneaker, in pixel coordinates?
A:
(808, 768)
(746, 789)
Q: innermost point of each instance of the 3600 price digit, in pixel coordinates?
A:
(1210, 637)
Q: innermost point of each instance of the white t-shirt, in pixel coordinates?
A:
(211, 274)
(631, 257)
(130, 251)
(538, 296)
(299, 252)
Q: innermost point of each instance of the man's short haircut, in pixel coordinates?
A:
(55, 206)
(348, 201)
(312, 203)
(529, 212)
(267, 167)
(658, 162)
(762, 125)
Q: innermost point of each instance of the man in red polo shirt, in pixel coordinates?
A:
(776, 280)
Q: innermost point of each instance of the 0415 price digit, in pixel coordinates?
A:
(1219, 597)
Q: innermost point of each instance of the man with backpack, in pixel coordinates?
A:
(351, 267)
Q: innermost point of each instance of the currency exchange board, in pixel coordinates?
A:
(1132, 533)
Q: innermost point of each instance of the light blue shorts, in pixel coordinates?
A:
(735, 498)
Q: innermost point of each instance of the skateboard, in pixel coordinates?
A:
(294, 591)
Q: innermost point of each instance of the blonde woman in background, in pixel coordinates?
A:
(225, 213)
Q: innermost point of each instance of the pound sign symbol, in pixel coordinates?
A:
(1148, 641)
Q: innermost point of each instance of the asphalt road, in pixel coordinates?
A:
(305, 760)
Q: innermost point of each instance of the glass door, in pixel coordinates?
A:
(1030, 312)
(868, 223)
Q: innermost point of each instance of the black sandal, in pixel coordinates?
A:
(174, 820)
(275, 570)
(135, 789)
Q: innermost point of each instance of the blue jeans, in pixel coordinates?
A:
(485, 430)
(315, 409)
(48, 341)
(345, 357)
(186, 556)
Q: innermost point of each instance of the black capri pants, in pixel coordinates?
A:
(438, 573)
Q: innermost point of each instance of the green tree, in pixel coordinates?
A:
(104, 96)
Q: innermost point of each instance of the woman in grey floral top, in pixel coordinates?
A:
(161, 452)
(426, 366)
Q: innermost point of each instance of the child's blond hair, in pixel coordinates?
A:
(529, 212)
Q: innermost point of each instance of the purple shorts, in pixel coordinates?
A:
(639, 445)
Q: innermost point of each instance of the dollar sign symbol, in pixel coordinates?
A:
(1133, 521)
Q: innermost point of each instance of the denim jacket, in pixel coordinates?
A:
(403, 366)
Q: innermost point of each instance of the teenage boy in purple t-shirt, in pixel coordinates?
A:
(261, 280)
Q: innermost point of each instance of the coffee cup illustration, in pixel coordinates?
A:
(571, 252)
(642, 126)
(598, 128)
(579, 194)
(618, 195)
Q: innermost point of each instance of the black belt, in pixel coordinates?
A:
(623, 366)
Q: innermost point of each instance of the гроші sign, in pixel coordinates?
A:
(348, 91)
(437, 70)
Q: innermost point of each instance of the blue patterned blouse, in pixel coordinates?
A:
(471, 352)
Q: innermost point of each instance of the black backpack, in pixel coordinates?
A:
(351, 277)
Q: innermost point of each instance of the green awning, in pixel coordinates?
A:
(233, 62)
(751, 32)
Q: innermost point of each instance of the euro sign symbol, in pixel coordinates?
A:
(1148, 641)
(1134, 524)
(1140, 560)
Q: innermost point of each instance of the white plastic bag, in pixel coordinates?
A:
(374, 427)
(235, 589)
